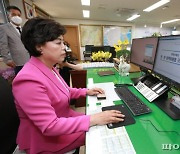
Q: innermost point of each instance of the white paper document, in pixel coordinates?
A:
(101, 140)
(110, 93)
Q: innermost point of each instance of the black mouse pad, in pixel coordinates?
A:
(128, 120)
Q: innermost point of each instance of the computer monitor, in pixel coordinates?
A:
(167, 61)
(143, 51)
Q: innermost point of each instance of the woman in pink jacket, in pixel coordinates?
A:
(47, 123)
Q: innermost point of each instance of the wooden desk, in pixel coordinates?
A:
(134, 68)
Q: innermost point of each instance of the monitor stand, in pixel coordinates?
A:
(170, 109)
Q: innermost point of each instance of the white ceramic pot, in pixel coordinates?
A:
(124, 67)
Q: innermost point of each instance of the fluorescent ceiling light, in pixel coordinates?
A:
(85, 2)
(170, 21)
(133, 17)
(166, 22)
(86, 13)
(156, 5)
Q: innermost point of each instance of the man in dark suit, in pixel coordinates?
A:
(11, 48)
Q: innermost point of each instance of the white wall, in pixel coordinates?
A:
(148, 31)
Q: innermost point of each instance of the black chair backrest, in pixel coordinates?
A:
(107, 48)
(8, 117)
(112, 50)
(88, 48)
(97, 48)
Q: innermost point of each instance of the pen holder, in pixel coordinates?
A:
(123, 67)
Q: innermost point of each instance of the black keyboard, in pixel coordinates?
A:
(136, 106)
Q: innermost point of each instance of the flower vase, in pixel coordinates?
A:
(124, 67)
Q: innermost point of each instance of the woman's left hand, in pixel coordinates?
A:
(95, 91)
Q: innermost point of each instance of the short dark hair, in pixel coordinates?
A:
(38, 31)
(12, 7)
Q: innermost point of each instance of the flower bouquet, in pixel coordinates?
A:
(101, 56)
(121, 49)
(8, 74)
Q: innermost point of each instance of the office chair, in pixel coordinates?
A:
(8, 117)
(87, 53)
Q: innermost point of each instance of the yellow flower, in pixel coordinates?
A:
(126, 42)
(101, 56)
(117, 48)
(121, 48)
(119, 42)
(121, 45)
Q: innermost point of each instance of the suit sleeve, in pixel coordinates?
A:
(36, 104)
(78, 92)
(4, 49)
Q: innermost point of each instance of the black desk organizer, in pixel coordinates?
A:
(150, 87)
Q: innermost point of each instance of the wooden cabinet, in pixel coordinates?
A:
(79, 81)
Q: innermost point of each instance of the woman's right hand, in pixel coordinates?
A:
(106, 117)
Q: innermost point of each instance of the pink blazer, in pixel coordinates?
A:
(47, 123)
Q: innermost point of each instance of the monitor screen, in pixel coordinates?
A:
(167, 61)
(143, 51)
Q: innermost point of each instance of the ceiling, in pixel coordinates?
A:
(113, 10)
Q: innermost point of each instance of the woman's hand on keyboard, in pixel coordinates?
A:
(95, 91)
(106, 117)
